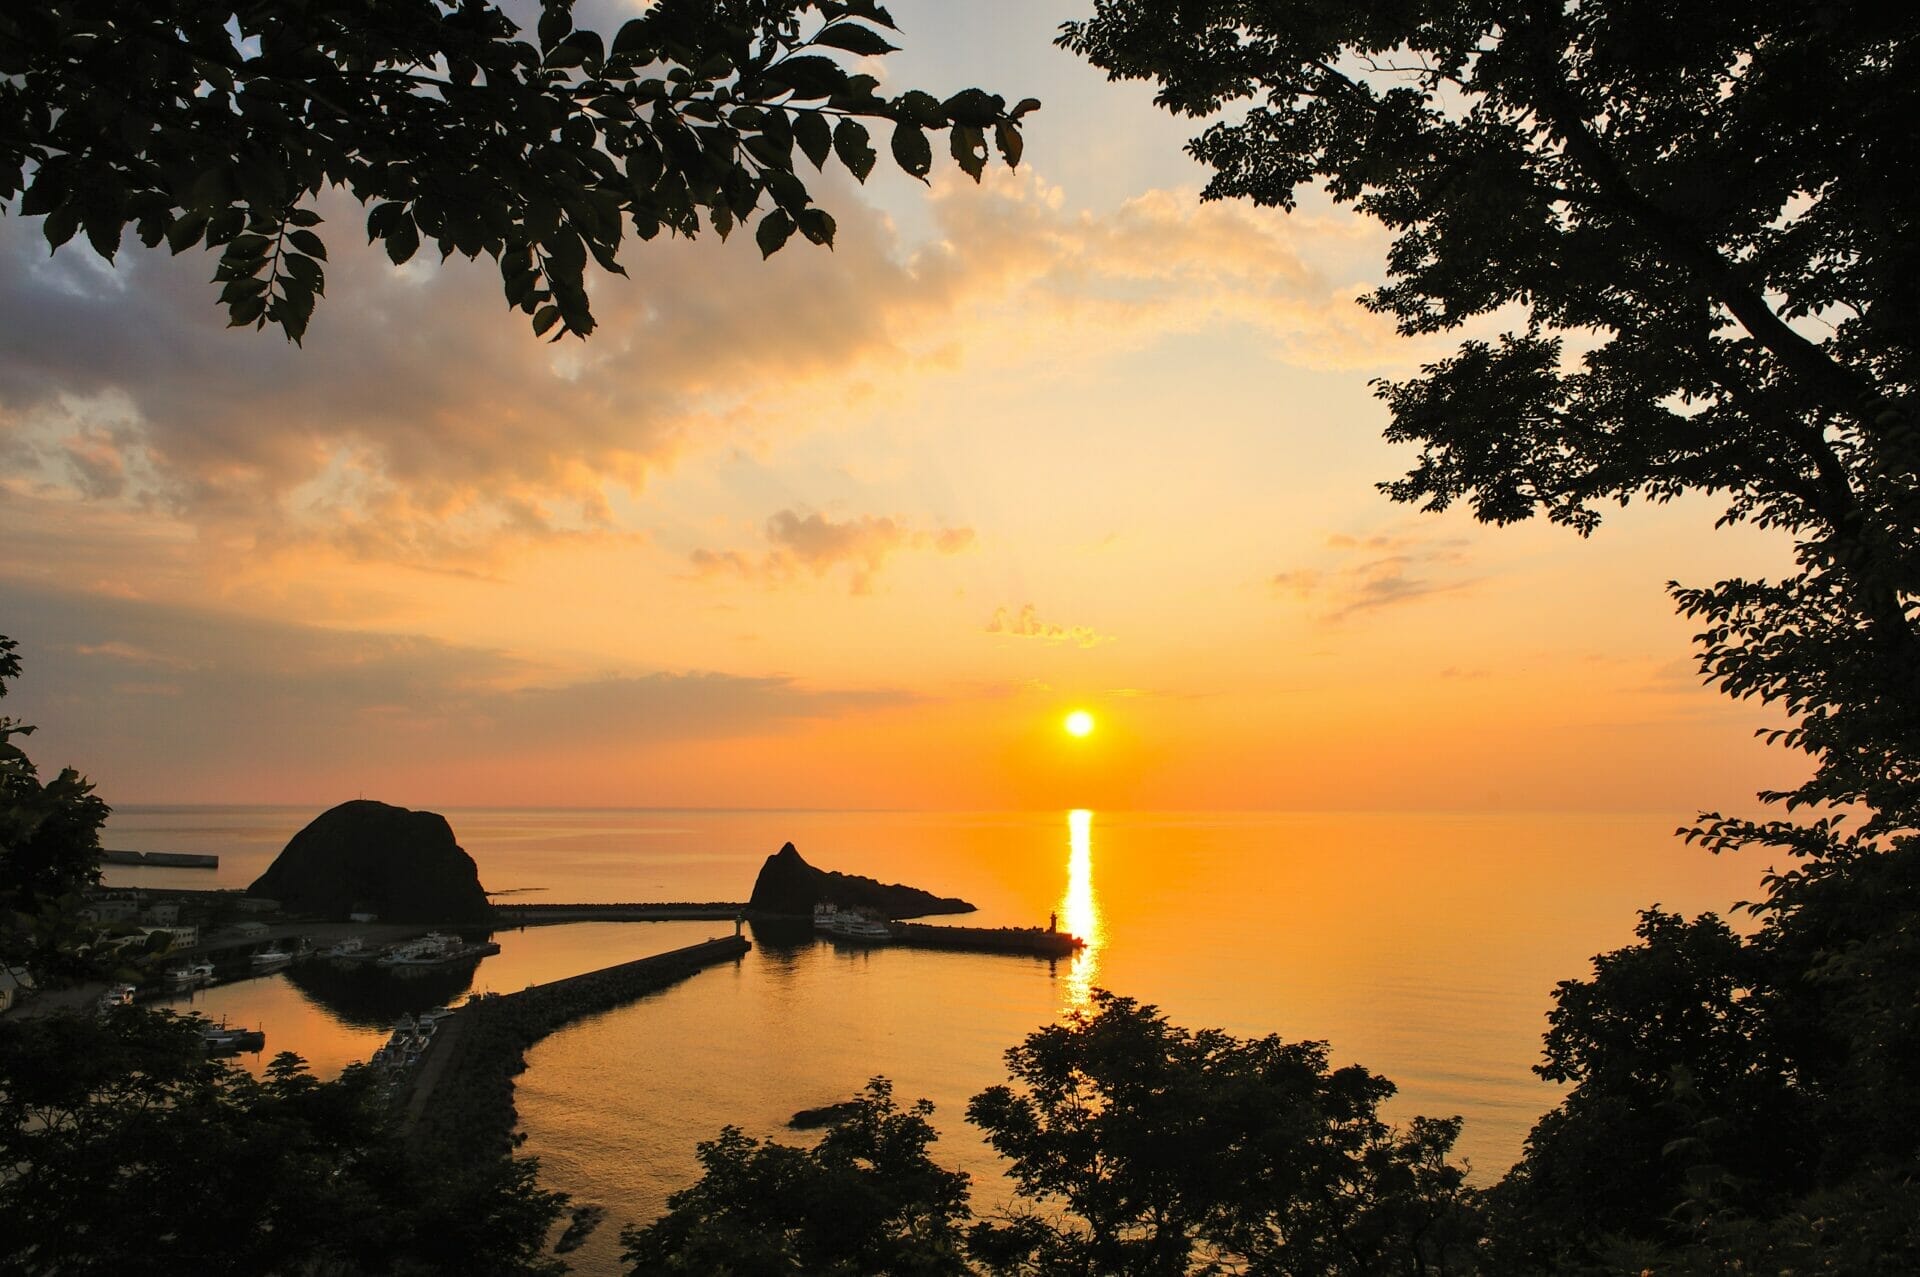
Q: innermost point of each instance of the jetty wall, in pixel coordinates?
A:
(460, 1105)
(1027, 940)
(518, 915)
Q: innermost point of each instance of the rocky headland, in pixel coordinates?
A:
(789, 886)
(371, 857)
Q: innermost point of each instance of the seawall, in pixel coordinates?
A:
(460, 1105)
(542, 915)
(1028, 940)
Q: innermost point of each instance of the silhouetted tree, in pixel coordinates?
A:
(49, 850)
(867, 1199)
(124, 1149)
(1696, 214)
(1692, 210)
(1152, 1150)
(219, 124)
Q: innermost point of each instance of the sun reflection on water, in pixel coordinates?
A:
(1080, 909)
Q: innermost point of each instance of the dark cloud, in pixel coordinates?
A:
(123, 688)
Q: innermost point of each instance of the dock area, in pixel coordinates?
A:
(460, 1103)
(1023, 940)
(546, 915)
(160, 859)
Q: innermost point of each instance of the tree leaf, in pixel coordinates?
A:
(968, 146)
(403, 238)
(815, 136)
(851, 144)
(854, 38)
(775, 229)
(1007, 135)
(911, 149)
(817, 225)
(308, 243)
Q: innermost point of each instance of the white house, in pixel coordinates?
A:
(14, 983)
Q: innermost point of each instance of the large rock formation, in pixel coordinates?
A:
(789, 885)
(402, 865)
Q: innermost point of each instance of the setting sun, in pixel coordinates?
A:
(1079, 723)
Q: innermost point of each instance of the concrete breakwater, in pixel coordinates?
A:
(460, 1105)
(544, 914)
(1028, 940)
(164, 859)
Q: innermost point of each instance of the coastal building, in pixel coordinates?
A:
(161, 913)
(110, 909)
(248, 930)
(256, 904)
(15, 983)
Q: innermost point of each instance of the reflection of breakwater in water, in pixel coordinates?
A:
(461, 1102)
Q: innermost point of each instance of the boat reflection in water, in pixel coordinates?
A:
(373, 997)
(1080, 910)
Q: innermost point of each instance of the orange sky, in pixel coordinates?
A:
(841, 529)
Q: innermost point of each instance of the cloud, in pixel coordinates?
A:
(813, 544)
(211, 701)
(1375, 571)
(1027, 624)
(422, 424)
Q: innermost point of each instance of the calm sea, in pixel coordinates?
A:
(1422, 946)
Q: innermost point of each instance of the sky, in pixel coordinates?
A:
(843, 529)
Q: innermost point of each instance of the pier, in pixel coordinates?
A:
(460, 1104)
(1027, 940)
(545, 915)
(161, 859)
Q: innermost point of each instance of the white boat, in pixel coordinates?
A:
(823, 916)
(436, 948)
(854, 924)
(221, 1040)
(118, 995)
(185, 977)
(270, 958)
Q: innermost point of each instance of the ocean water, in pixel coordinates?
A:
(1423, 946)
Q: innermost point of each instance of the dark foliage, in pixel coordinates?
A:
(218, 124)
(1696, 214)
(127, 1151)
(867, 1199)
(49, 851)
(1693, 209)
(1148, 1149)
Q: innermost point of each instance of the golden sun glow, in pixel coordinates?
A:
(1079, 723)
(1080, 910)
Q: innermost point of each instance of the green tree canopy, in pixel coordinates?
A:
(220, 123)
(1694, 215)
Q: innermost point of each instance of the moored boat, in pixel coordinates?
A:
(185, 977)
(218, 1039)
(436, 948)
(858, 924)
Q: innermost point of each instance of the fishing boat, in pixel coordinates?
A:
(859, 925)
(436, 949)
(218, 1039)
(270, 957)
(185, 977)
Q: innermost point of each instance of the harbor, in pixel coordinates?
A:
(458, 1102)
